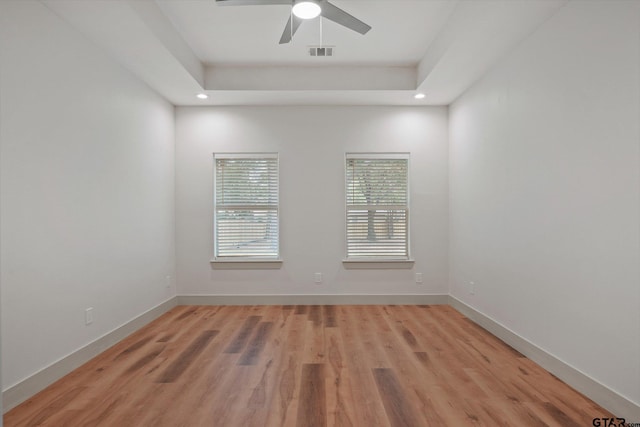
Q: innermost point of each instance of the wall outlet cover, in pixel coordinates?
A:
(88, 316)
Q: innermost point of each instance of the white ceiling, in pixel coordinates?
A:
(183, 47)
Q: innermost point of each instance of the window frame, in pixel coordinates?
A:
(250, 261)
(383, 261)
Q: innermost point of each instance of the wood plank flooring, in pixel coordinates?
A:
(308, 366)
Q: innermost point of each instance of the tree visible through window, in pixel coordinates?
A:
(377, 206)
(246, 206)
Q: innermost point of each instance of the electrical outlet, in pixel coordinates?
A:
(472, 288)
(88, 316)
(168, 282)
(318, 278)
(418, 278)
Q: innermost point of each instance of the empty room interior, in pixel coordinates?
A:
(320, 213)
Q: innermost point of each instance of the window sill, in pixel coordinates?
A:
(379, 264)
(246, 264)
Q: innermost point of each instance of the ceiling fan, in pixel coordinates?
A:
(306, 9)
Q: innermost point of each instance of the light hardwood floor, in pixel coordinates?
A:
(309, 366)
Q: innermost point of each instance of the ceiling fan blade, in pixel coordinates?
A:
(288, 32)
(341, 17)
(251, 2)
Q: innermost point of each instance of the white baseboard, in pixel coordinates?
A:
(602, 395)
(25, 389)
(312, 299)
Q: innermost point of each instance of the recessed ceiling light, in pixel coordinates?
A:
(306, 9)
(202, 96)
(419, 96)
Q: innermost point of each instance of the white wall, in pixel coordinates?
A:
(545, 173)
(312, 142)
(87, 183)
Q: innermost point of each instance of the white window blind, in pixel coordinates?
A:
(246, 206)
(377, 206)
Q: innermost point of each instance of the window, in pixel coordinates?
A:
(377, 192)
(246, 207)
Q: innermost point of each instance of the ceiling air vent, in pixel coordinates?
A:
(321, 51)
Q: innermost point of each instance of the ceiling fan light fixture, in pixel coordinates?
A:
(306, 9)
